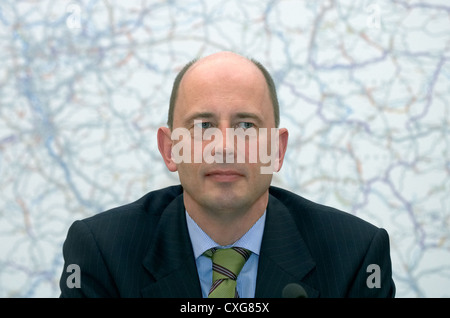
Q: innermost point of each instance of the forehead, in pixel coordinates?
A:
(223, 84)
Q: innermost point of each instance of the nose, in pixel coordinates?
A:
(224, 148)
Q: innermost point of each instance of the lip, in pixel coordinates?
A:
(224, 175)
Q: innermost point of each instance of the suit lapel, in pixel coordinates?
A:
(170, 259)
(284, 256)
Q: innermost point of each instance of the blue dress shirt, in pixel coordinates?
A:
(246, 281)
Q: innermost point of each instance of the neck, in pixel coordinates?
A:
(226, 226)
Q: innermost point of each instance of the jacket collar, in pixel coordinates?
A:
(284, 256)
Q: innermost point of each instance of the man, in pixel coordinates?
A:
(164, 244)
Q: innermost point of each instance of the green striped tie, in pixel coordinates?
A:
(227, 264)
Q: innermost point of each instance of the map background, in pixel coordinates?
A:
(363, 87)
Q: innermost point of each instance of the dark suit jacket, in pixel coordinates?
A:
(143, 249)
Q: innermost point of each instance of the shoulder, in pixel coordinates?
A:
(331, 234)
(151, 204)
(122, 230)
(309, 215)
(140, 215)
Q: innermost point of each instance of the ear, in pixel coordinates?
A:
(165, 147)
(283, 135)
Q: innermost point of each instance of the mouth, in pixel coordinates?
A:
(224, 175)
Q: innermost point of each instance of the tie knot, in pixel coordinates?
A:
(227, 263)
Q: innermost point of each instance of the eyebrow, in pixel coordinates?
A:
(198, 115)
(209, 115)
(253, 116)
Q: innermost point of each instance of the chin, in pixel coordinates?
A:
(226, 200)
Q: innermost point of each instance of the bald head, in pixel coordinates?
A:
(224, 66)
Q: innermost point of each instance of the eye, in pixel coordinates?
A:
(203, 125)
(245, 125)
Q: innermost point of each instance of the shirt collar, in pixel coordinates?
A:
(202, 242)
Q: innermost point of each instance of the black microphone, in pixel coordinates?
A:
(294, 290)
